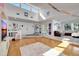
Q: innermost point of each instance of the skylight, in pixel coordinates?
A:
(35, 10)
(46, 12)
(16, 4)
(43, 13)
(25, 6)
(29, 8)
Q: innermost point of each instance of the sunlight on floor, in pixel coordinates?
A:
(57, 50)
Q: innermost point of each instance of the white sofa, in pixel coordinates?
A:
(75, 34)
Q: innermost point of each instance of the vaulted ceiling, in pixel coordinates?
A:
(67, 11)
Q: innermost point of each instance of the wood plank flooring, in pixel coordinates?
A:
(14, 49)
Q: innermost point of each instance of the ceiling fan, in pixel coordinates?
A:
(62, 11)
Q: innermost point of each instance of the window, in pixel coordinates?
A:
(16, 4)
(25, 6)
(76, 26)
(35, 10)
(46, 12)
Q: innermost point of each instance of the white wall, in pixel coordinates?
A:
(28, 28)
(44, 27)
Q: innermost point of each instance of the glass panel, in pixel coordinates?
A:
(16, 4)
(35, 10)
(25, 6)
(46, 12)
(67, 27)
(76, 27)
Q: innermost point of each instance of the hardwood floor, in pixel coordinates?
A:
(14, 49)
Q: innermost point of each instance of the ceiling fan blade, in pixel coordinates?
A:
(54, 7)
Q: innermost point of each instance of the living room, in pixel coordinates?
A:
(53, 25)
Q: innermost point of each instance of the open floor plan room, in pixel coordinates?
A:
(39, 29)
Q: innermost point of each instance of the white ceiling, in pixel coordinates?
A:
(72, 8)
(62, 6)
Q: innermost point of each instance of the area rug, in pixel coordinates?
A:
(35, 49)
